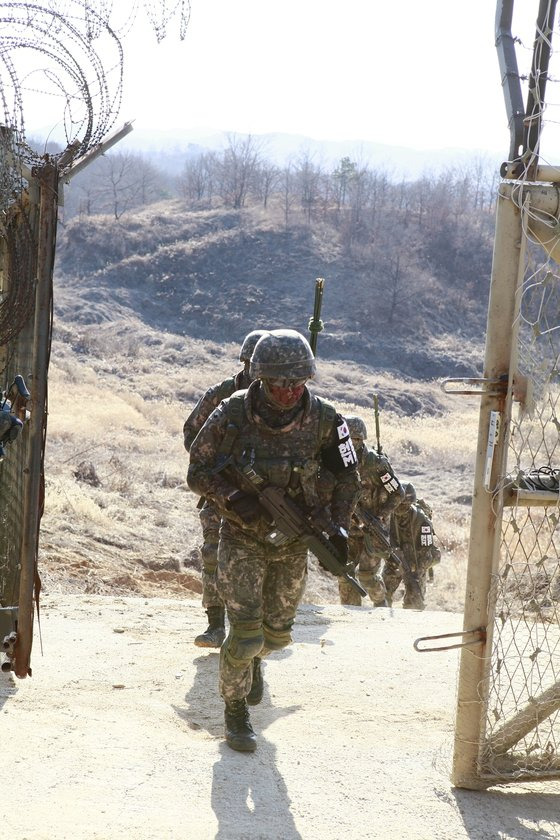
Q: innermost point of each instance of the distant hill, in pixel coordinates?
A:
(218, 274)
(169, 149)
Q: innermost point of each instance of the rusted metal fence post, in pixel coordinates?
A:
(47, 178)
(485, 534)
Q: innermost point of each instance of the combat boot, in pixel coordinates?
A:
(257, 687)
(239, 732)
(215, 633)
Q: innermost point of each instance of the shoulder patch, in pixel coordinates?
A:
(342, 430)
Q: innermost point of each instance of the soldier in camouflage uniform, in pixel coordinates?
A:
(412, 534)
(209, 515)
(381, 493)
(283, 433)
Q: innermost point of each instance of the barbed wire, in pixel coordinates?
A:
(69, 54)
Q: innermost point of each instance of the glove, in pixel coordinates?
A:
(245, 506)
(339, 541)
(10, 427)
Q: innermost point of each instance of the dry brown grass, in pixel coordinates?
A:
(118, 397)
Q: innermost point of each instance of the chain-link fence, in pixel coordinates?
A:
(522, 728)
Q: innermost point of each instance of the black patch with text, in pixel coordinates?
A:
(340, 455)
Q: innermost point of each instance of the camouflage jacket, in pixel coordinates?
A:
(208, 402)
(288, 456)
(413, 533)
(381, 491)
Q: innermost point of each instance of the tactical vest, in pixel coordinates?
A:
(289, 460)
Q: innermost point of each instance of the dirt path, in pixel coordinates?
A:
(119, 734)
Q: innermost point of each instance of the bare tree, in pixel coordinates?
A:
(308, 178)
(267, 177)
(239, 165)
(115, 183)
(288, 195)
(197, 182)
(192, 181)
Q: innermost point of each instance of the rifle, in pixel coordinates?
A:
(290, 522)
(376, 415)
(370, 521)
(13, 412)
(315, 325)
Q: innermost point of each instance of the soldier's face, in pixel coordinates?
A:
(285, 393)
(358, 445)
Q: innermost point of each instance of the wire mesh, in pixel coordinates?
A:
(522, 726)
(69, 56)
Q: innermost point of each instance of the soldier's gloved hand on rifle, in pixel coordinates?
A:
(340, 542)
(245, 506)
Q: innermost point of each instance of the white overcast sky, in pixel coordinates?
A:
(417, 73)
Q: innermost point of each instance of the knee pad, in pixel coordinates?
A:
(369, 579)
(209, 553)
(277, 639)
(374, 585)
(244, 642)
(392, 582)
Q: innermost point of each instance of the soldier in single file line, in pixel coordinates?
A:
(209, 514)
(381, 492)
(277, 432)
(412, 535)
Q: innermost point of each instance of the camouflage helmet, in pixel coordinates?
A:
(282, 354)
(357, 427)
(409, 494)
(249, 344)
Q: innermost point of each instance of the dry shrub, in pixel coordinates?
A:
(74, 502)
(126, 417)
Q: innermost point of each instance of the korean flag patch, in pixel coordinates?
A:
(343, 430)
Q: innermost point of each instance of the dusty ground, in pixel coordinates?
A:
(119, 734)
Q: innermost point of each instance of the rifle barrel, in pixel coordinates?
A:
(315, 325)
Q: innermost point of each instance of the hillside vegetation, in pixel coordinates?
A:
(407, 264)
(119, 516)
(151, 305)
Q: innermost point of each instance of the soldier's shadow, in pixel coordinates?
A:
(249, 795)
(247, 789)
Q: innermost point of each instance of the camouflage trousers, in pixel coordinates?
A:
(367, 566)
(261, 587)
(392, 577)
(210, 520)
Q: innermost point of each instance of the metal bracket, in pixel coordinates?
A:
(479, 633)
(485, 387)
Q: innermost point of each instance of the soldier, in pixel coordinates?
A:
(209, 515)
(279, 431)
(413, 535)
(381, 493)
